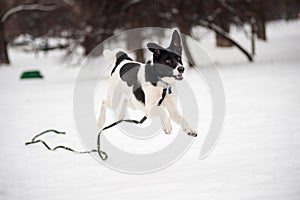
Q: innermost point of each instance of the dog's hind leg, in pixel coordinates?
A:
(112, 101)
(123, 111)
(102, 116)
(106, 103)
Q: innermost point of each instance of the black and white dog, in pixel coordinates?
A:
(143, 84)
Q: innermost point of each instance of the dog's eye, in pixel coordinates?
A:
(168, 61)
(179, 59)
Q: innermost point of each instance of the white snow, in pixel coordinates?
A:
(257, 156)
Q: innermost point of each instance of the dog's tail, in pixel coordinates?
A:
(113, 56)
(109, 56)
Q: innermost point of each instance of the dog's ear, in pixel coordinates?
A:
(155, 48)
(175, 45)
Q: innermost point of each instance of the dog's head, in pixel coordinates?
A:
(167, 61)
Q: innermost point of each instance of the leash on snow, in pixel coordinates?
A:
(103, 155)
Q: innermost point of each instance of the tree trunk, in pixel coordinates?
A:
(261, 30)
(3, 47)
(135, 44)
(187, 51)
(3, 43)
(88, 44)
(222, 21)
(253, 31)
(140, 55)
(260, 19)
(185, 29)
(220, 40)
(288, 8)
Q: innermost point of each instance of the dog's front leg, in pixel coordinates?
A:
(122, 114)
(164, 118)
(163, 115)
(171, 105)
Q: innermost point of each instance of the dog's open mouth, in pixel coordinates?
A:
(178, 76)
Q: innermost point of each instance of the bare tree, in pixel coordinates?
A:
(6, 12)
(3, 43)
(27, 7)
(260, 19)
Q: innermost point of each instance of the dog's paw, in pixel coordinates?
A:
(190, 132)
(168, 127)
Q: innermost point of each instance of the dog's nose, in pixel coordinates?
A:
(180, 69)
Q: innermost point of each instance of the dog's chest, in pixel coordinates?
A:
(152, 93)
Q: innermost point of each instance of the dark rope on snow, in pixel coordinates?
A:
(103, 155)
(35, 140)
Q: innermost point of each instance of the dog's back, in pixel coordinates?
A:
(123, 77)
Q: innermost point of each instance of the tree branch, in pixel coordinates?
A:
(68, 2)
(28, 7)
(220, 31)
(214, 14)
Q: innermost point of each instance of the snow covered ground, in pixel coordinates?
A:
(257, 156)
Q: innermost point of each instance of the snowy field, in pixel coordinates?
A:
(257, 156)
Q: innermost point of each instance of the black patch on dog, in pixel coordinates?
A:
(150, 75)
(120, 57)
(175, 45)
(128, 73)
(168, 59)
(156, 71)
(139, 93)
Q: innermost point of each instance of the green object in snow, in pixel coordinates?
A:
(31, 74)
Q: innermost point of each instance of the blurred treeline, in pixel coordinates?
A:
(88, 22)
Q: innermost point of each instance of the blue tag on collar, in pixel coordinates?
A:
(169, 90)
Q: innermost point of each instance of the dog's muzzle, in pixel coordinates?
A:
(180, 70)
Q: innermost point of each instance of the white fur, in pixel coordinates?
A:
(110, 56)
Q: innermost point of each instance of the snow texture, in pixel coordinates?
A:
(257, 156)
